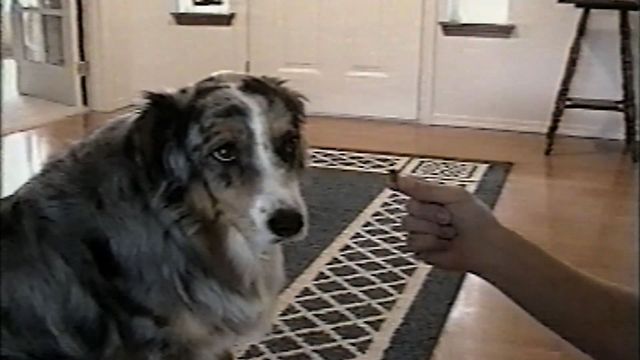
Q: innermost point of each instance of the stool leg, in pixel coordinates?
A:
(628, 91)
(565, 85)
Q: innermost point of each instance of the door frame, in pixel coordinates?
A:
(82, 53)
(426, 92)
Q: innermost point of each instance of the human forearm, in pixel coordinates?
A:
(598, 318)
(449, 228)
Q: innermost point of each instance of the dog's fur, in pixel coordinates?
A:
(150, 239)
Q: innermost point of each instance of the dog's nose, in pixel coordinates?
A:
(286, 223)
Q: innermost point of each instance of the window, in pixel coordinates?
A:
(479, 18)
(477, 11)
(204, 6)
(203, 12)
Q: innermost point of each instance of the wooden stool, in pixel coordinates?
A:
(627, 105)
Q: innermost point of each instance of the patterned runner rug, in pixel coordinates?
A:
(355, 292)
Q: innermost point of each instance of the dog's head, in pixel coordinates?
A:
(231, 147)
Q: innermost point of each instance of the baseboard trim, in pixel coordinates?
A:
(528, 126)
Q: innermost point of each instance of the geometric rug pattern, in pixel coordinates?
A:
(350, 300)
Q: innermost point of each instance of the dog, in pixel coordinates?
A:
(158, 237)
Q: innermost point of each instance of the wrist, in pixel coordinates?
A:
(501, 248)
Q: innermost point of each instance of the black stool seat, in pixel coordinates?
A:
(629, 5)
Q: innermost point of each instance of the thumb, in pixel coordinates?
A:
(429, 192)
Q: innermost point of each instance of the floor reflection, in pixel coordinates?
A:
(24, 153)
(21, 112)
(22, 156)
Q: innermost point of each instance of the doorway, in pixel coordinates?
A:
(42, 63)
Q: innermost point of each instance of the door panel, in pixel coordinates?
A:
(278, 47)
(42, 43)
(354, 58)
(300, 48)
(46, 50)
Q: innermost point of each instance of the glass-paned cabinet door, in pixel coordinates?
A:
(44, 4)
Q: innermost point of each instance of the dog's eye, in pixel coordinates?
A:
(288, 148)
(290, 145)
(225, 153)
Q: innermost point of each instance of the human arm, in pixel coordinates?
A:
(450, 228)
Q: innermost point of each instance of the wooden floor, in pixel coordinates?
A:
(21, 111)
(580, 205)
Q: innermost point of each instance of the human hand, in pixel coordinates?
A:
(449, 227)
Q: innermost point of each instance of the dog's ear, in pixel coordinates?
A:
(293, 100)
(160, 127)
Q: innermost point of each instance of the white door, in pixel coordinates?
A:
(349, 57)
(46, 50)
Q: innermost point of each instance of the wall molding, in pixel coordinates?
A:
(521, 125)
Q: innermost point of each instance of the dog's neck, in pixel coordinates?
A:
(231, 258)
(234, 260)
(245, 257)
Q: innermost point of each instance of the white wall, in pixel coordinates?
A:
(167, 55)
(488, 83)
(511, 83)
(108, 49)
(136, 46)
(6, 26)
